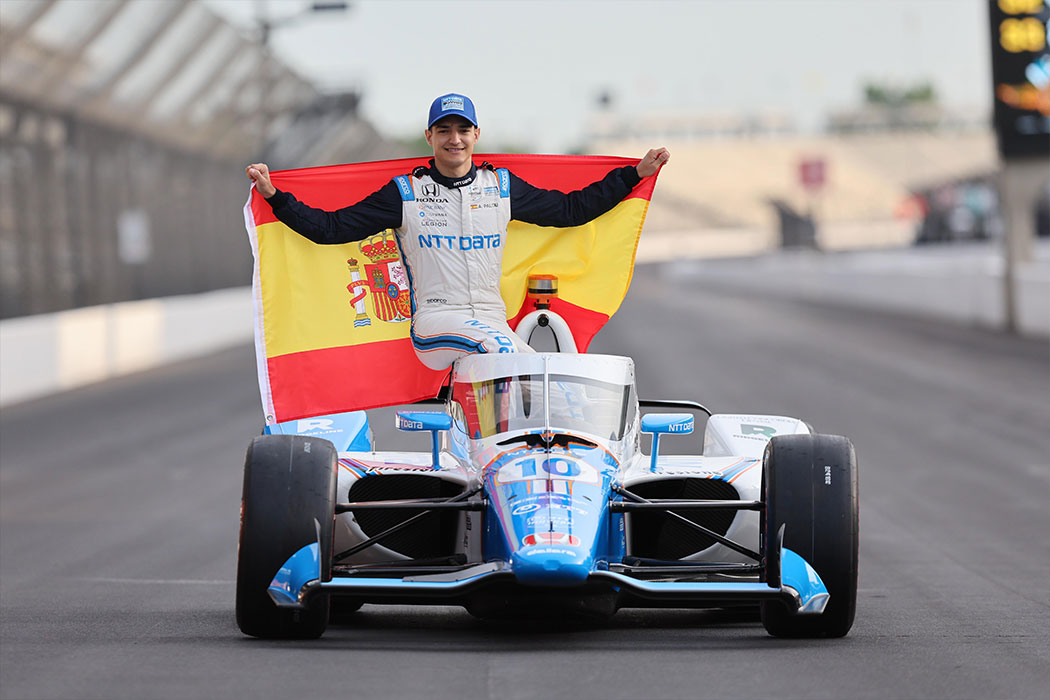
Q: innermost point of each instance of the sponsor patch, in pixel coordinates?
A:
(452, 102)
(407, 195)
(551, 538)
(504, 182)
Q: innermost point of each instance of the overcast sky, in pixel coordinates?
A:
(534, 68)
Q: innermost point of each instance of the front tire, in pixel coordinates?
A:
(287, 503)
(810, 487)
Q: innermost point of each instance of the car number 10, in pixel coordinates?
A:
(547, 468)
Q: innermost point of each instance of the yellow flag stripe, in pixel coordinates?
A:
(305, 297)
(307, 305)
(594, 262)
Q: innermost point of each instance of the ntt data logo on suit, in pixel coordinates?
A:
(440, 242)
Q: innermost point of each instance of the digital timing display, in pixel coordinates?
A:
(1021, 75)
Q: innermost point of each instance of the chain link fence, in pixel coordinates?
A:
(125, 128)
(90, 214)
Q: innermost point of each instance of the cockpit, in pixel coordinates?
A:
(493, 395)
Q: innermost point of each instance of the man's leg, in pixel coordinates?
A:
(441, 338)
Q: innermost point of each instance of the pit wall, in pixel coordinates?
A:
(48, 353)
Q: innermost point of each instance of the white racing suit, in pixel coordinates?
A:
(452, 241)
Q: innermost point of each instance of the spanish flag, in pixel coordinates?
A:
(332, 321)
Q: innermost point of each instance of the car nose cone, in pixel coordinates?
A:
(545, 565)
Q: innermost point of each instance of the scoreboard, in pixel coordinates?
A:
(1020, 33)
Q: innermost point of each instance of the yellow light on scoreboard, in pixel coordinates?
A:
(1020, 7)
(1017, 35)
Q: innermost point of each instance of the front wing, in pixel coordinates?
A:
(790, 579)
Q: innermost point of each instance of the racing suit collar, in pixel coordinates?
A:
(450, 182)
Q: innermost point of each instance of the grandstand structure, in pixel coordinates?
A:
(730, 174)
(125, 127)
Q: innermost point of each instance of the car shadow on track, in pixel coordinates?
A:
(452, 629)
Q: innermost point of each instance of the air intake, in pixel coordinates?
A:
(433, 535)
(661, 536)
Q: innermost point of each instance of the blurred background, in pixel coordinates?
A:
(862, 125)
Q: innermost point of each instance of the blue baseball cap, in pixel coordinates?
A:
(452, 104)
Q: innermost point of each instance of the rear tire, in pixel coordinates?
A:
(810, 487)
(289, 491)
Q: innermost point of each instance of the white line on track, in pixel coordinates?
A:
(156, 581)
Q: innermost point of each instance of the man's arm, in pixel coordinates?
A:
(376, 212)
(552, 208)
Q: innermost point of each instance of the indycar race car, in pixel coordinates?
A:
(536, 496)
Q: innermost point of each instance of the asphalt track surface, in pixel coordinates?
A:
(119, 506)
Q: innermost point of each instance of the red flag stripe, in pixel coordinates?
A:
(584, 323)
(343, 378)
(334, 187)
(340, 377)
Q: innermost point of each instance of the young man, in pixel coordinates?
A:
(451, 222)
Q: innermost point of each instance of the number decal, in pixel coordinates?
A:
(554, 468)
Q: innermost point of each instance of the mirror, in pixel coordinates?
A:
(423, 420)
(675, 423)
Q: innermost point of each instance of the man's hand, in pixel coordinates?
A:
(261, 175)
(653, 161)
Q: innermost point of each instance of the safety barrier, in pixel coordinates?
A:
(47, 353)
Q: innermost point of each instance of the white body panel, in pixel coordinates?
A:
(746, 435)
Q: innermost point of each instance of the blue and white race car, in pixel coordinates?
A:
(536, 496)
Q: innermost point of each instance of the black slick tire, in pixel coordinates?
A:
(287, 502)
(810, 488)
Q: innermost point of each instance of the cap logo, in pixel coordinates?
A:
(451, 102)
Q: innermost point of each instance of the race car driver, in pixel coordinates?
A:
(451, 220)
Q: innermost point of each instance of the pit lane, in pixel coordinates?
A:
(118, 528)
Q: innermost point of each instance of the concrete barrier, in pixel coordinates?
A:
(47, 353)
